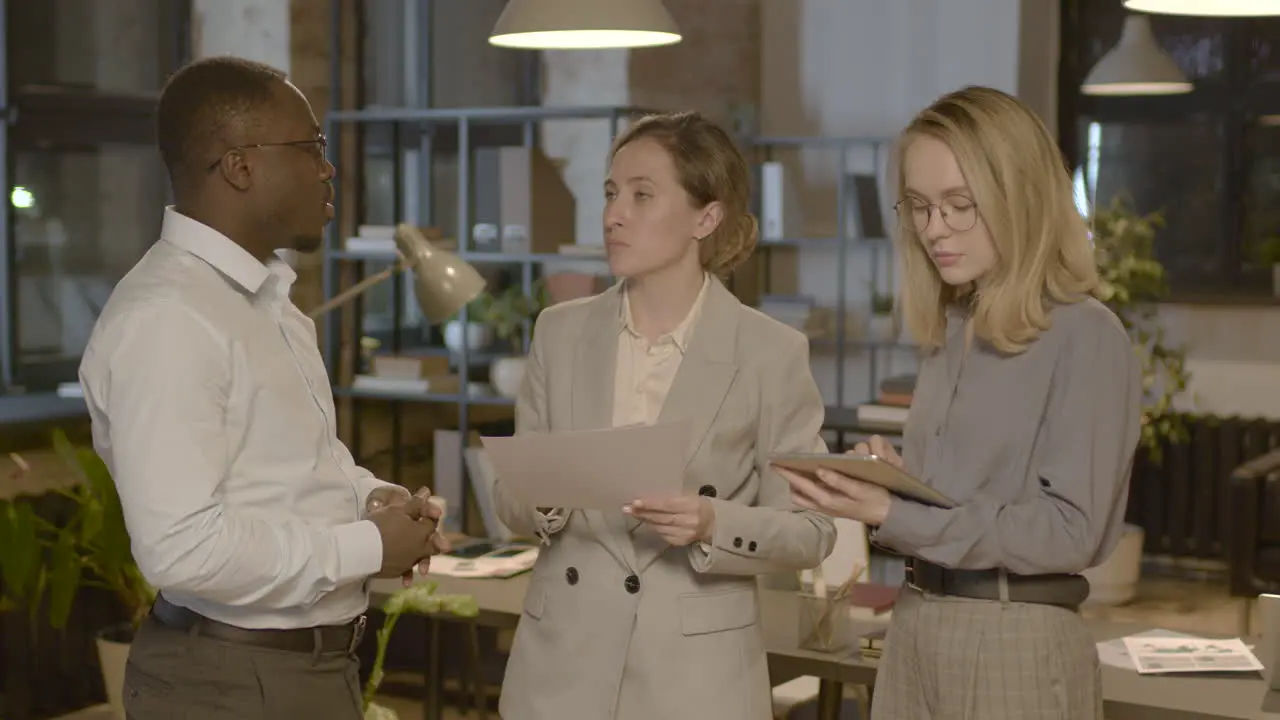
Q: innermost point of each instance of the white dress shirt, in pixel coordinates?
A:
(212, 408)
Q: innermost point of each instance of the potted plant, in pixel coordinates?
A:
(475, 334)
(1133, 283)
(882, 324)
(1268, 255)
(419, 598)
(89, 548)
(505, 314)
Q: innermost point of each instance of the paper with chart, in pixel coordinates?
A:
(1152, 655)
(592, 469)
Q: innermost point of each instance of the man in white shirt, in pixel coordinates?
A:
(211, 405)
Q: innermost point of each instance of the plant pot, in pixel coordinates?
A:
(563, 286)
(881, 329)
(506, 375)
(380, 712)
(113, 654)
(476, 336)
(1115, 581)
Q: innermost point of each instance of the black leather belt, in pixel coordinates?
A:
(322, 639)
(1067, 591)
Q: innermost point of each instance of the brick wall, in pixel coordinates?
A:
(310, 63)
(714, 70)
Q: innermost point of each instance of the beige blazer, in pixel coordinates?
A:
(619, 624)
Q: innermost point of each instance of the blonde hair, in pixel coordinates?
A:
(1024, 196)
(710, 169)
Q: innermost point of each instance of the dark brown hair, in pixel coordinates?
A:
(710, 169)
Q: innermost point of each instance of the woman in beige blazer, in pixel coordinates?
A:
(650, 611)
(1026, 413)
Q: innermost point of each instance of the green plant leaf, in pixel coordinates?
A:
(99, 539)
(64, 578)
(36, 596)
(20, 549)
(1132, 281)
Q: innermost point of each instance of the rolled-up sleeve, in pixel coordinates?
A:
(1089, 434)
(158, 387)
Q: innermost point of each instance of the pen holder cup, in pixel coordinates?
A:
(824, 623)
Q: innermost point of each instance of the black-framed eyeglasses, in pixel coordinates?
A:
(958, 213)
(318, 146)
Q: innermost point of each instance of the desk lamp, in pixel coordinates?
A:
(443, 282)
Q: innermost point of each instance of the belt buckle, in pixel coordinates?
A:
(910, 571)
(357, 634)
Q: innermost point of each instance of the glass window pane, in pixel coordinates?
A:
(122, 46)
(1264, 49)
(1261, 247)
(1197, 44)
(81, 220)
(1171, 167)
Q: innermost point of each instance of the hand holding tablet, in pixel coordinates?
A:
(865, 467)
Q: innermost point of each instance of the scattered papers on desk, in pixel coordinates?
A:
(502, 562)
(1165, 651)
(1115, 654)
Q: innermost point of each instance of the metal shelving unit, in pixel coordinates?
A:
(452, 134)
(462, 124)
(419, 136)
(839, 414)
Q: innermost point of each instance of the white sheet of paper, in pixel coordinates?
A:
(592, 469)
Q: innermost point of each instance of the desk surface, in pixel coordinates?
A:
(1129, 696)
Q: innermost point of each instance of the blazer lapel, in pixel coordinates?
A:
(594, 363)
(699, 389)
(594, 370)
(707, 370)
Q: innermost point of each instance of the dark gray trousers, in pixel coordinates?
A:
(175, 675)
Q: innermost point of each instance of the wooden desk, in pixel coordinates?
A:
(1128, 696)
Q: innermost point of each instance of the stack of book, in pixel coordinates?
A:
(889, 411)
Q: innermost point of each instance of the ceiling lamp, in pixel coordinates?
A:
(1137, 65)
(584, 24)
(1206, 8)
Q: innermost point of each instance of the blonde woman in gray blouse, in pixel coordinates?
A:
(1026, 412)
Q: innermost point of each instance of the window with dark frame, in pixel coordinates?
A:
(1209, 160)
(85, 185)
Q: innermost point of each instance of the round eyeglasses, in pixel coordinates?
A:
(958, 213)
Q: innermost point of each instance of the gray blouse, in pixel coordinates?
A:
(1035, 447)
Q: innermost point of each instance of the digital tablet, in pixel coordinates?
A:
(870, 468)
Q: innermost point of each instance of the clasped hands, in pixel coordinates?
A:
(408, 525)
(680, 520)
(842, 496)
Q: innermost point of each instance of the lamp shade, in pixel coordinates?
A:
(442, 281)
(584, 24)
(1206, 8)
(1137, 65)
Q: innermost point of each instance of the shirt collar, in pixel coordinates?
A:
(680, 335)
(224, 255)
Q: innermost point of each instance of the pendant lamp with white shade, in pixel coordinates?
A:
(1206, 8)
(1137, 65)
(584, 24)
